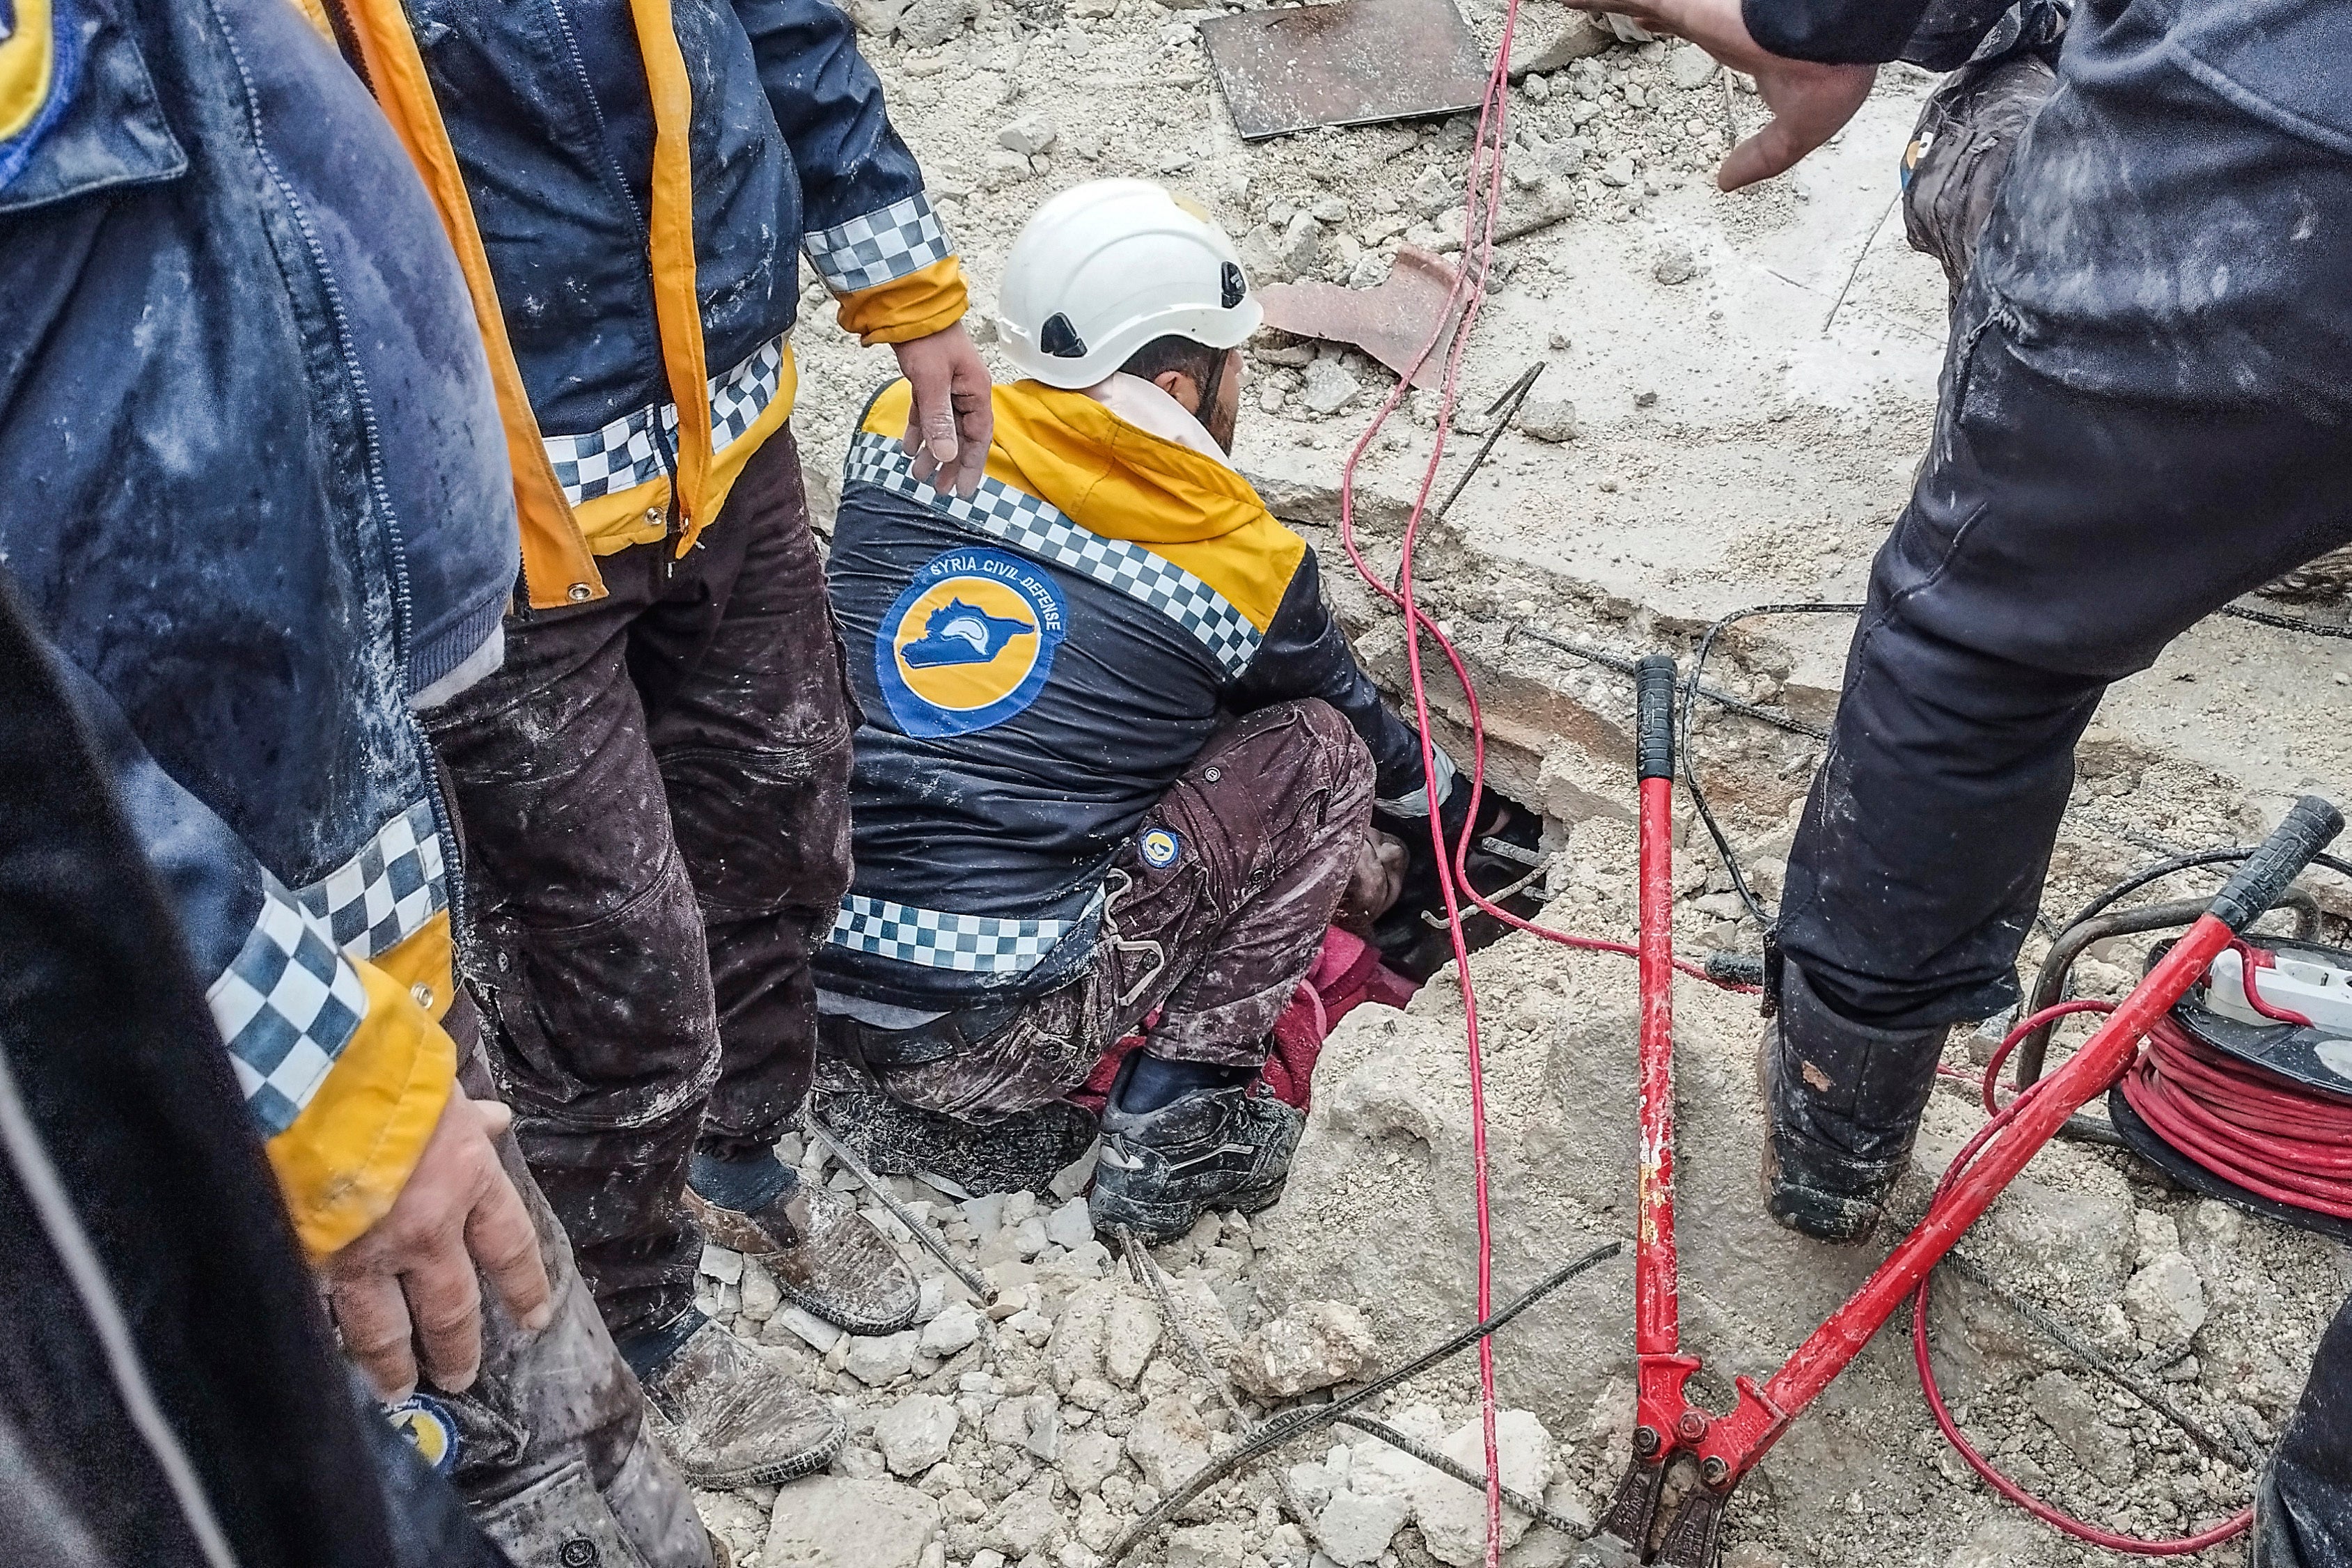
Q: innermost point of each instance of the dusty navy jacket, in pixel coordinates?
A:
(241, 410)
(1036, 667)
(632, 192)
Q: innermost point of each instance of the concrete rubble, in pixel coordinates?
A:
(1735, 397)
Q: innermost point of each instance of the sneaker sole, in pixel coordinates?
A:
(776, 1472)
(818, 1306)
(1156, 1225)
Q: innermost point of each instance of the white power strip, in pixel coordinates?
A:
(2292, 983)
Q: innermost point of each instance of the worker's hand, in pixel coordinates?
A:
(951, 419)
(1810, 103)
(408, 1284)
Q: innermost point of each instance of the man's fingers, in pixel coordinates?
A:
(1809, 104)
(506, 1248)
(445, 1302)
(1771, 151)
(373, 1317)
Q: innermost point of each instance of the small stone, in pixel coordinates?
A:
(1070, 1225)
(1218, 1545)
(1537, 88)
(2165, 1299)
(2215, 1224)
(1312, 1345)
(1073, 1178)
(1547, 419)
(1130, 1334)
(2072, 1414)
(1432, 192)
(808, 1328)
(1354, 1528)
(914, 1434)
(1329, 386)
(1029, 1238)
(1027, 1520)
(928, 24)
(875, 1360)
(955, 1328)
(1618, 171)
(1089, 1459)
(1689, 68)
(1167, 1443)
(1029, 135)
(1453, 1517)
(1675, 264)
(761, 1295)
(877, 18)
(2156, 1234)
(833, 1522)
(1310, 1487)
(2002, 1540)
(721, 1264)
(1301, 246)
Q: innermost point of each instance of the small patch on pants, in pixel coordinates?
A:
(430, 1430)
(1159, 847)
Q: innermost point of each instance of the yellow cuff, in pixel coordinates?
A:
(345, 1158)
(922, 303)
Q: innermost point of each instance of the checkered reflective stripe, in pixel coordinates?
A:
(287, 1005)
(625, 453)
(878, 248)
(1041, 528)
(973, 943)
(373, 901)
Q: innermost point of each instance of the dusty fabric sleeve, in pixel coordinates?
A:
(1833, 32)
(343, 1072)
(1306, 653)
(869, 231)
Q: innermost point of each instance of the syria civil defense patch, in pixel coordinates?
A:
(969, 643)
(1159, 847)
(430, 1429)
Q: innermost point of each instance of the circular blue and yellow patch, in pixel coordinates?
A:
(1159, 847)
(430, 1429)
(969, 643)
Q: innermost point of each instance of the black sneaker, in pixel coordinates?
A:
(1023, 1152)
(1161, 1170)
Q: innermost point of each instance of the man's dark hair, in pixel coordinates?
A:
(1198, 361)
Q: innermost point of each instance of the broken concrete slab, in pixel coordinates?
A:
(1397, 321)
(1358, 62)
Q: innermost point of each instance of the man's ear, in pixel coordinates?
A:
(1181, 387)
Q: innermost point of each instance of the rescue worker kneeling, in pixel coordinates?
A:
(1118, 764)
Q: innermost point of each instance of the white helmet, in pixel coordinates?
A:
(1105, 267)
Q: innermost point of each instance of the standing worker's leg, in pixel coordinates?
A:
(2142, 416)
(2056, 541)
(2303, 1510)
(750, 724)
(551, 1442)
(588, 948)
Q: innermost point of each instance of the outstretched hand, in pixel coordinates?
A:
(951, 419)
(1810, 103)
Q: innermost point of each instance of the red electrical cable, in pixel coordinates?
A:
(1469, 286)
(2242, 1124)
(2048, 1513)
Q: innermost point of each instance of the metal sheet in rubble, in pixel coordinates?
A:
(1357, 62)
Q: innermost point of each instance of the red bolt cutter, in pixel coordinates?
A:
(1727, 1446)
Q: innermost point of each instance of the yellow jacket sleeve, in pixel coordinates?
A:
(929, 300)
(344, 1159)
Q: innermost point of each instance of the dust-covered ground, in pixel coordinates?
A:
(1735, 394)
(1038, 1428)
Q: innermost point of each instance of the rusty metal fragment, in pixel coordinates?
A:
(1358, 62)
(1390, 322)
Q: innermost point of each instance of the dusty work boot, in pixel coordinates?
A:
(825, 1255)
(1167, 1158)
(1023, 1151)
(1844, 1101)
(731, 1414)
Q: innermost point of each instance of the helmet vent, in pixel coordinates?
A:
(1060, 339)
(1236, 286)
